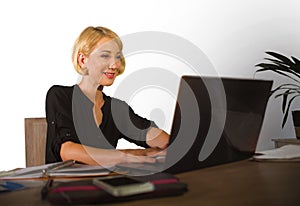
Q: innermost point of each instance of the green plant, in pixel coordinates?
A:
(286, 67)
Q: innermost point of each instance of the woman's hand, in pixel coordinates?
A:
(142, 155)
(152, 152)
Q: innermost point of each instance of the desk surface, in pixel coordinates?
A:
(239, 183)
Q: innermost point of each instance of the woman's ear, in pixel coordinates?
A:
(81, 58)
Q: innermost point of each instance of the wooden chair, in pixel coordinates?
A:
(35, 141)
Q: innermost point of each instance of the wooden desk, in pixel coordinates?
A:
(239, 183)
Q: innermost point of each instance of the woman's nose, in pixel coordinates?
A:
(115, 64)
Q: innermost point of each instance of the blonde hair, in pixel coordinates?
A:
(87, 41)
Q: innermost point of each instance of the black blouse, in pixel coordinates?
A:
(69, 115)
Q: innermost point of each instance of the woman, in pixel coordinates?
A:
(83, 123)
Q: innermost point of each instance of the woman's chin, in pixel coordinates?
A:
(107, 84)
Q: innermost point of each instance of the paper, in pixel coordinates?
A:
(76, 170)
(284, 153)
(79, 170)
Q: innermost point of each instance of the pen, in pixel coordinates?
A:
(46, 188)
(58, 166)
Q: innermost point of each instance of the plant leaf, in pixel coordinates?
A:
(277, 62)
(278, 70)
(272, 66)
(293, 67)
(296, 67)
(297, 61)
(281, 73)
(287, 86)
(287, 110)
(288, 92)
(284, 59)
(284, 119)
(284, 100)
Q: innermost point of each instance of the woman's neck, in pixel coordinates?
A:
(88, 89)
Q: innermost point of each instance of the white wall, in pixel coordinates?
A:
(37, 37)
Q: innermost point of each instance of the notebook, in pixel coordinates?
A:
(216, 120)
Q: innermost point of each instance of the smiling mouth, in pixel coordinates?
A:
(109, 75)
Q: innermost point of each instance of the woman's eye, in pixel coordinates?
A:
(105, 56)
(118, 57)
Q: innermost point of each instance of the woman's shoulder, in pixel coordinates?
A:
(60, 90)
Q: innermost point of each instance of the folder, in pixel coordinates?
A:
(60, 169)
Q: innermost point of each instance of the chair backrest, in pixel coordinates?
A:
(35, 141)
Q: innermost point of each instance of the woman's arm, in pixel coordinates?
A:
(157, 138)
(107, 157)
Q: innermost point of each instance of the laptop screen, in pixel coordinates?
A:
(216, 120)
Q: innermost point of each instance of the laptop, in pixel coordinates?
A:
(216, 120)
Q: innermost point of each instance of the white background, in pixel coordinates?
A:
(37, 38)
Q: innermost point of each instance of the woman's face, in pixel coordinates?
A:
(104, 62)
